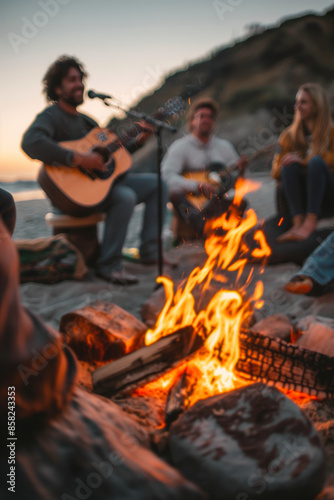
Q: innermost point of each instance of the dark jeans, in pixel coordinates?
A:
(309, 190)
(129, 191)
(7, 210)
(197, 218)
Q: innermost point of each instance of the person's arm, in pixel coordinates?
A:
(40, 387)
(173, 167)
(285, 156)
(277, 160)
(140, 139)
(39, 143)
(235, 164)
(329, 154)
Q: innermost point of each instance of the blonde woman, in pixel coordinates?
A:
(305, 165)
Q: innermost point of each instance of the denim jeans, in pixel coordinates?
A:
(320, 264)
(309, 190)
(7, 210)
(127, 192)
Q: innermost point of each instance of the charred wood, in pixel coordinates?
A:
(139, 365)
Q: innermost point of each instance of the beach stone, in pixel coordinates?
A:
(317, 334)
(102, 331)
(253, 442)
(92, 450)
(275, 326)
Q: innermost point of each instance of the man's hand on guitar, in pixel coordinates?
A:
(207, 189)
(90, 162)
(145, 134)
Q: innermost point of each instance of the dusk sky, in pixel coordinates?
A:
(127, 47)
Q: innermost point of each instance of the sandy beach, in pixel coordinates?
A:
(52, 301)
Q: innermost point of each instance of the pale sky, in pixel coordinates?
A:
(127, 47)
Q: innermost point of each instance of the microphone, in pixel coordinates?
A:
(92, 94)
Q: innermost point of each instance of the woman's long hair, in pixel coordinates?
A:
(322, 122)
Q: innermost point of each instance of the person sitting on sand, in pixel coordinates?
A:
(305, 165)
(7, 210)
(317, 271)
(61, 121)
(197, 153)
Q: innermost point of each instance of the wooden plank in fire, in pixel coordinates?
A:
(146, 361)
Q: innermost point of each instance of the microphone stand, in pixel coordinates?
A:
(158, 126)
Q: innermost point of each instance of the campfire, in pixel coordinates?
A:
(220, 323)
(199, 347)
(190, 380)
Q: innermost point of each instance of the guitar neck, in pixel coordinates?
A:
(125, 139)
(171, 108)
(270, 148)
(128, 136)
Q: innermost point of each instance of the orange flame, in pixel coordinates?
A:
(219, 324)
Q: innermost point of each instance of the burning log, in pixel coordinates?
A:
(139, 365)
(177, 398)
(273, 361)
(285, 365)
(101, 332)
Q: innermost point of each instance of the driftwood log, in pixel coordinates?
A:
(101, 332)
(139, 365)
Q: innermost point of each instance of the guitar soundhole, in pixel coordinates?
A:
(110, 168)
(109, 163)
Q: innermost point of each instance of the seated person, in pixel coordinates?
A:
(317, 272)
(304, 167)
(61, 121)
(199, 152)
(7, 210)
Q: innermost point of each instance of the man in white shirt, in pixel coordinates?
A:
(201, 151)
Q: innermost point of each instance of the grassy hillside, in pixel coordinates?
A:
(254, 81)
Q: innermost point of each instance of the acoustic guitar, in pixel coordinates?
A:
(75, 190)
(220, 178)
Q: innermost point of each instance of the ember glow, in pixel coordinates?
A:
(220, 322)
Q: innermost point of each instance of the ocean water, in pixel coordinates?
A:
(23, 190)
